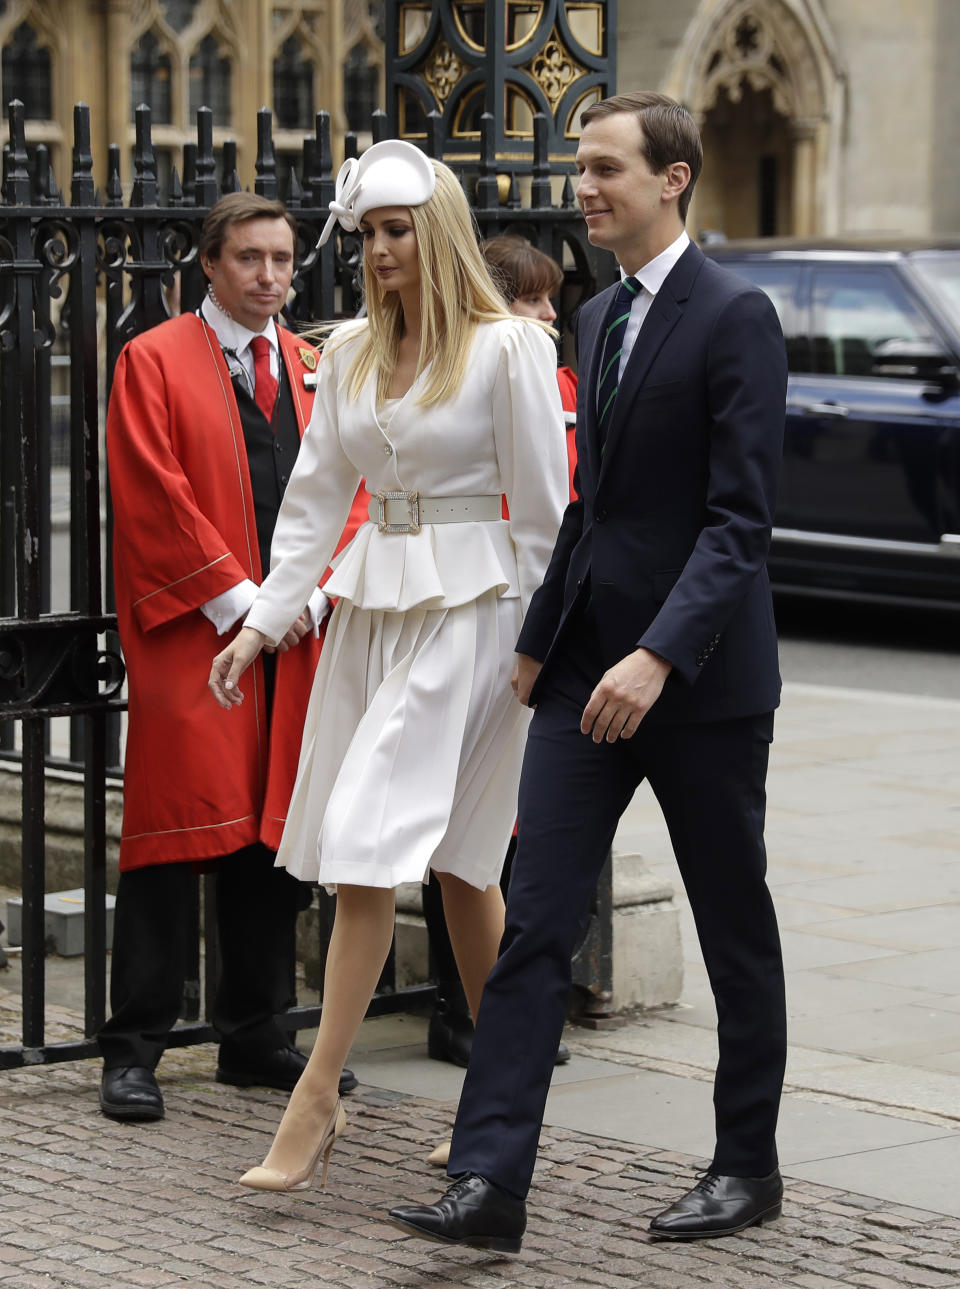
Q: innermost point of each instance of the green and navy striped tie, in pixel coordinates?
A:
(616, 328)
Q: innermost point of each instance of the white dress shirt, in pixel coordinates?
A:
(651, 277)
(235, 340)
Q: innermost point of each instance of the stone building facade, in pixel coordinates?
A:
(233, 56)
(820, 117)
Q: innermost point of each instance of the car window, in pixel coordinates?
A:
(781, 283)
(941, 275)
(854, 313)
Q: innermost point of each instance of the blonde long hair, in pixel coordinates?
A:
(456, 293)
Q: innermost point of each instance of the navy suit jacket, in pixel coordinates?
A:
(671, 526)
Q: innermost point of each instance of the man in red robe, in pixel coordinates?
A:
(203, 428)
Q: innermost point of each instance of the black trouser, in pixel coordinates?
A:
(257, 908)
(710, 782)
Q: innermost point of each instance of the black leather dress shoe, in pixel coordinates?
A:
(348, 1081)
(720, 1205)
(450, 1037)
(253, 1067)
(473, 1211)
(130, 1092)
(280, 1069)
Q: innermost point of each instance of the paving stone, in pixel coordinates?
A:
(936, 1262)
(131, 1207)
(902, 1273)
(870, 1281)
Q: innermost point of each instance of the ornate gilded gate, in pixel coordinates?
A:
(84, 271)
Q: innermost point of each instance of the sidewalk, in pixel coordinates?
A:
(863, 841)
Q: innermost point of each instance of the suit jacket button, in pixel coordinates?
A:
(601, 515)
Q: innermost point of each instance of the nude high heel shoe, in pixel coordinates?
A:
(268, 1179)
(440, 1155)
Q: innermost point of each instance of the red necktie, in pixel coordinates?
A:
(264, 384)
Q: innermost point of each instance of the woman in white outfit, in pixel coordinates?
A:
(444, 402)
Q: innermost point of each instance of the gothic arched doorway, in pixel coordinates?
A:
(763, 78)
(746, 189)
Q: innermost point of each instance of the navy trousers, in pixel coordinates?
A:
(709, 780)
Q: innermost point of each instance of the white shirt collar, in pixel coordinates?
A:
(232, 334)
(653, 275)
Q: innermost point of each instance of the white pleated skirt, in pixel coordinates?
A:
(411, 749)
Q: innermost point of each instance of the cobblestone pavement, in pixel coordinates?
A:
(86, 1203)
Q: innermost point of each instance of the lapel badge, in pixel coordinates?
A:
(308, 358)
(309, 380)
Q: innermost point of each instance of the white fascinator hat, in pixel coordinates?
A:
(391, 173)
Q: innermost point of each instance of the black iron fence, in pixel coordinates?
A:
(80, 274)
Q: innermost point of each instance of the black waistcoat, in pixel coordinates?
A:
(272, 448)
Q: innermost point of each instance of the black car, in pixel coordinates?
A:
(869, 503)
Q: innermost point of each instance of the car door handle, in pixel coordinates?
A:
(819, 409)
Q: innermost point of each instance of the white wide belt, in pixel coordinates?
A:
(407, 512)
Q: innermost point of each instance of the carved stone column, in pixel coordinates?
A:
(805, 133)
(118, 110)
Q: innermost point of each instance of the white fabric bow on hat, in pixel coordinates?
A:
(391, 173)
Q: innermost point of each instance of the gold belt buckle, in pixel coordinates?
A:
(412, 525)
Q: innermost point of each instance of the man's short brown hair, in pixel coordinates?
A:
(669, 133)
(237, 208)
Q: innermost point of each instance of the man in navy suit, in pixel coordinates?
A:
(648, 653)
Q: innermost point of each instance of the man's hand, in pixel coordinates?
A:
(525, 676)
(230, 665)
(302, 627)
(624, 696)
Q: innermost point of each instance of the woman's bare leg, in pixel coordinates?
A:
(359, 944)
(475, 922)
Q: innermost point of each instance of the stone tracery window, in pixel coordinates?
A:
(26, 73)
(293, 91)
(150, 78)
(756, 48)
(210, 81)
(32, 50)
(361, 88)
(182, 58)
(179, 14)
(363, 69)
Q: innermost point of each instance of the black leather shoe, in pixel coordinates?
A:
(130, 1092)
(450, 1038)
(473, 1211)
(720, 1205)
(280, 1069)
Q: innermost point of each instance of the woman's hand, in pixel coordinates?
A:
(524, 677)
(230, 665)
(300, 628)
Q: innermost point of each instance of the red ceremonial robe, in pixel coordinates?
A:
(199, 781)
(567, 380)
